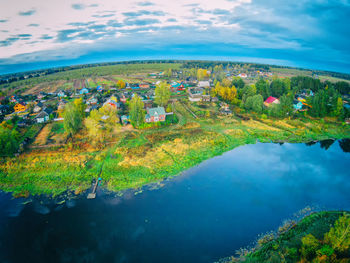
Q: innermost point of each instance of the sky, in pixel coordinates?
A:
(306, 33)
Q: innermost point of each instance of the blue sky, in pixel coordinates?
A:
(40, 33)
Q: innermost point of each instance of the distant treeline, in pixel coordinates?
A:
(107, 69)
(93, 71)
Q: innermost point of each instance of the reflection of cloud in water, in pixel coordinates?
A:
(113, 201)
(40, 209)
(70, 203)
(138, 232)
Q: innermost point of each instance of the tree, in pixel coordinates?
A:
(72, 118)
(121, 84)
(101, 124)
(238, 82)
(162, 94)
(9, 141)
(339, 107)
(262, 87)
(338, 236)
(79, 104)
(137, 113)
(309, 246)
(202, 74)
(254, 103)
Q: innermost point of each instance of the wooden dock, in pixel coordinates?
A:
(92, 195)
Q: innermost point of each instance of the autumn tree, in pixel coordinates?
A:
(162, 94)
(137, 113)
(73, 118)
(101, 124)
(121, 84)
(202, 74)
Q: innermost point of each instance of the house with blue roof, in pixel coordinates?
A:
(84, 91)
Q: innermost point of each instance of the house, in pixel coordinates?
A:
(42, 117)
(41, 95)
(38, 107)
(297, 105)
(206, 98)
(203, 84)
(61, 94)
(195, 94)
(84, 91)
(14, 99)
(243, 75)
(144, 86)
(135, 86)
(176, 86)
(155, 114)
(99, 88)
(92, 101)
(271, 100)
(61, 105)
(214, 99)
(225, 109)
(4, 109)
(112, 102)
(123, 99)
(19, 107)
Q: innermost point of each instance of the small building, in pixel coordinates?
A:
(155, 115)
(195, 94)
(99, 88)
(144, 86)
(42, 117)
(243, 75)
(297, 105)
(4, 109)
(271, 100)
(206, 98)
(84, 91)
(214, 99)
(92, 101)
(20, 107)
(38, 107)
(203, 84)
(123, 98)
(112, 102)
(61, 94)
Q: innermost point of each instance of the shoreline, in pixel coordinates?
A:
(69, 194)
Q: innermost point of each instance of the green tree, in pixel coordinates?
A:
(9, 141)
(339, 107)
(73, 118)
(162, 94)
(137, 113)
(262, 87)
(309, 246)
(338, 236)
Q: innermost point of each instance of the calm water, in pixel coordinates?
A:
(208, 213)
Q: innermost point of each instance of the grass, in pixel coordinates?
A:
(134, 158)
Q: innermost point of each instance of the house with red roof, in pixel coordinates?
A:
(271, 100)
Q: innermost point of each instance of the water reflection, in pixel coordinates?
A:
(201, 216)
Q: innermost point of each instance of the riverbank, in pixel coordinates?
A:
(319, 237)
(134, 158)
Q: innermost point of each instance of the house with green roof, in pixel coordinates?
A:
(155, 114)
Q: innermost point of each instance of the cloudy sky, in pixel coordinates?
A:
(45, 33)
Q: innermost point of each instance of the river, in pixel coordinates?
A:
(205, 214)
